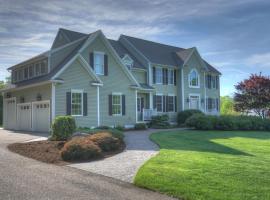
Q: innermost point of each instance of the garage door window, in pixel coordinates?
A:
(76, 103)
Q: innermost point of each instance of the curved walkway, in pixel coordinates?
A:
(125, 165)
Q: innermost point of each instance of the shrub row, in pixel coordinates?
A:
(184, 115)
(227, 122)
(160, 121)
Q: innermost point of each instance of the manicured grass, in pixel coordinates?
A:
(208, 165)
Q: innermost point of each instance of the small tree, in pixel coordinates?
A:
(227, 106)
(253, 94)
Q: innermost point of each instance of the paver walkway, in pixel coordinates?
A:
(125, 165)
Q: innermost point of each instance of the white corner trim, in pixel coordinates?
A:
(90, 39)
(183, 92)
(98, 107)
(53, 102)
(204, 93)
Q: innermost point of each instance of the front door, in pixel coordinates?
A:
(194, 102)
(140, 106)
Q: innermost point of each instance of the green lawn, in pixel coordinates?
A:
(207, 165)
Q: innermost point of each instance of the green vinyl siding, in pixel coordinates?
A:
(140, 75)
(116, 82)
(76, 77)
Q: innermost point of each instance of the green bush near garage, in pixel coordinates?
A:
(184, 115)
(63, 127)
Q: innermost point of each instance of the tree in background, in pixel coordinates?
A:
(227, 106)
(253, 95)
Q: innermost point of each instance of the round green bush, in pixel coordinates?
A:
(160, 122)
(106, 141)
(140, 126)
(200, 121)
(63, 127)
(184, 115)
(80, 149)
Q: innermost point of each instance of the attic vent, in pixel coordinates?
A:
(128, 62)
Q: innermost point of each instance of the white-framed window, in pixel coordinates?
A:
(171, 103)
(159, 102)
(159, 75)
(37, 69)
(31, 71)
(170, 76)
(99, 63)
(194, 101)
(129, 65)
(76, 102)
(116, 104)
(26, 73)
(139, 104)
(193, 79)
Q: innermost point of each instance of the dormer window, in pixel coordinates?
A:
(128, 62)
(129, 65)
(99, 63)
(193, 79)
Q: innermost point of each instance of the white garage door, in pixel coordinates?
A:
(24, 116)
(41, 116)
(10, 113)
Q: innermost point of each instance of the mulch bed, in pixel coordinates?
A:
(48, 151)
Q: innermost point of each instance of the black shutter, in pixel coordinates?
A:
(210, 81)
(68, 103)
(217, 102)
(217, 81)
(155, 101)
(154, 75)
(175, 104)
(110, 104)
(142, 103)
(85, 108)
(206, 81)
(91, 60)
(174, 74)
(164, 103)
(164, 76)
(167, 103)
(123, 105)
(106, 65)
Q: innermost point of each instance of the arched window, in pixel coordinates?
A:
(193, 78)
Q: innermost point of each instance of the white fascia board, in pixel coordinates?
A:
(194, 50)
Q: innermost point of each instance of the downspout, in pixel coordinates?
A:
(183, 92)
(53, 102)
(136, 112)
(98, 109)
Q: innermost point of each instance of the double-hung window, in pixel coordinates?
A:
(170, 76)
(159, 75)
(193, 78)
(117, 104)
(171, 103)
(77, 102)
(37, 69)
(99, 63)
(159, 103)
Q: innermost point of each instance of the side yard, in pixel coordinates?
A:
(209, 165)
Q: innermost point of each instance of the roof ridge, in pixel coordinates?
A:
(152, 42)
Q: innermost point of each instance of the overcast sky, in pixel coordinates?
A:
(234, 36)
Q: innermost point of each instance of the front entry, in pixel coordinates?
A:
(194, 102)
(140, 107)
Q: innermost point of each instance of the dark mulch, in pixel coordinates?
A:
(45, 151)
(49, 151)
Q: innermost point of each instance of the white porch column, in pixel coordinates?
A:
(53, 101)
(151, 100)
(98, 110)
(136, 112)
(183, 90)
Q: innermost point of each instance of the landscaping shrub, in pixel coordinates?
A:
(160, 121)
(80, 148)
(183, 115)
(227, 122)
(63, 127)
(106, 141)
(115, 133)
(120, 128)
(103, 127)
(140, 126)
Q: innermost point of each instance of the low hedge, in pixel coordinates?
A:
(115, 133)
(184, 115)
(160, 121)
(140, 126)
(63, 127)
(80, 148)
(106, 141)
(227, 122)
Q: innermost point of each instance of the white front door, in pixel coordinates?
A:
(24, 116)
(41, 116)
(194, 102)
(10, 113)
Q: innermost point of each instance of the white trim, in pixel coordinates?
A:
(151, 100)
(98, 109)
(195, 94)
(77, 91)
(173, 70)
(156, 83)
(136, 112)
(5, 111)
(204, 92)
(121, 111)
(159, 94)
(31, 115)
(198, 75)
(183, 92)
(90, 39)
(172, 95)
(94, 60)
(53, 102)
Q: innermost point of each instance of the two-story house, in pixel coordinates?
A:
(101, 81)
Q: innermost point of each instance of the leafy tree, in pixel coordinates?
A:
(253, 95)
(227, 106)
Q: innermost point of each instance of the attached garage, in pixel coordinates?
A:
(41, 116)
(24, 116)
(10, 121)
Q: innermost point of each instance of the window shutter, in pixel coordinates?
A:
(123, 105)
(91, 60)
(175, 104)
(217, 82)
(174, 74)
(85, 108)
(210, 81)
(106, 65)
(167, 102)
(164, 76)
(142, 103)
(68, 103)
(217, 104)
(154, 101)
(110, 105)
(154, 75)
(164, 103)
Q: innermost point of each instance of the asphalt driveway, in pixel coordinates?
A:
(24, 178)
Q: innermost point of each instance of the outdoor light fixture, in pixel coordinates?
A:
(21, 99)
(39, 97)
(187, 100)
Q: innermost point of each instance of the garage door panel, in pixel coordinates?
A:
(41, 116)
(24, 116)
(10, 113)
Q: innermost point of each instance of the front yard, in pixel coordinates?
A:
(208, 165)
